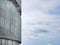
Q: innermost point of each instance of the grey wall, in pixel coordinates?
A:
(19, 1)
(10, 21)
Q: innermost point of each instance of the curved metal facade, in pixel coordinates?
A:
(8, 42)
(10, 22)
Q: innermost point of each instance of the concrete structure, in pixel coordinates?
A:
(10, 22)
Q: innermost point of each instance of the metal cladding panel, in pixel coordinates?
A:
(8, 42)
(10, 21)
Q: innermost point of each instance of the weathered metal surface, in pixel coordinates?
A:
(10, 21)
(8, 42)
(18, 7)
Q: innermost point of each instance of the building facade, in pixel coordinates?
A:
(10, 22)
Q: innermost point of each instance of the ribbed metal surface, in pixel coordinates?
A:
(8, 42)
(10, 22)
(16, 5)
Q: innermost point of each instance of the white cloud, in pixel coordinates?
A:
(38, 20)
(43, 5)
(33, 20)
(33, 37)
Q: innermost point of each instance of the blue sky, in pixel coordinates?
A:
(40, 22)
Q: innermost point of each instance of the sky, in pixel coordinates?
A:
(40, 22)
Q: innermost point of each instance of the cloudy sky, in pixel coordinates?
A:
(40, 22)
